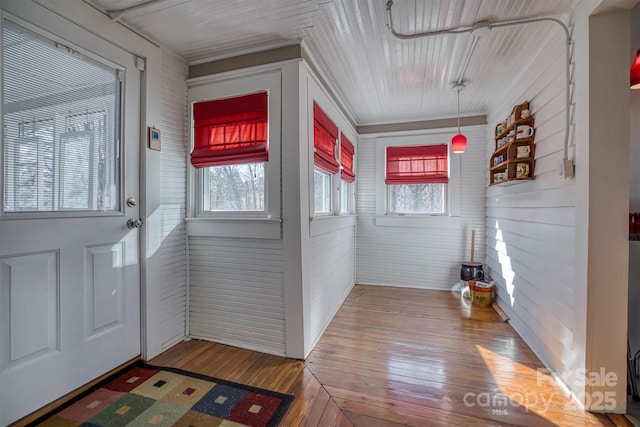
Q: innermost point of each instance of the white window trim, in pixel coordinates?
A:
(332, 197)
(249, 228)
(263, 224)
(449, 220)
(328, 224)
(228, 214)
(351, 199)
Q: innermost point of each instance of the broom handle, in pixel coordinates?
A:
(473, 244)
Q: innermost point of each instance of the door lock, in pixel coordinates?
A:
(134, 223)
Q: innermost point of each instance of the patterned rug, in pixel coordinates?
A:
(146, 395)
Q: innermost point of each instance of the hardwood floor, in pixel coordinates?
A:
(397, 357)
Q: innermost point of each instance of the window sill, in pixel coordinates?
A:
(435, 221)
(327, 224)
(242, 228)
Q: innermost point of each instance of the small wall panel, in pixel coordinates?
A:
(173, 249)
(237, 293)
(29, 301)
(332, 277)
(104, 269)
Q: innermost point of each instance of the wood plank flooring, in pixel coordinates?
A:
(401, 357)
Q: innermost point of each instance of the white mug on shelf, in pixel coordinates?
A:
(524, 131)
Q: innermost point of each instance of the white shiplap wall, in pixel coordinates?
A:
(332, 276)
(330, 262)
(173, 249)
(413, 256)
(531, 225)
(236, 292)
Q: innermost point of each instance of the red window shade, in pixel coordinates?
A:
(230, 131)
(346, 158)
(425, 164)
(325, 135)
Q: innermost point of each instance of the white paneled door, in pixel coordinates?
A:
(69, 273)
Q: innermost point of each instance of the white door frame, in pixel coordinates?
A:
(98, 23)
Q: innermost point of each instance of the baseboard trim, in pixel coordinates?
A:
(620, 420)
(71, 395)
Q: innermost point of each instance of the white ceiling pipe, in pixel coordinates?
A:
(116, 14)
(483, 26)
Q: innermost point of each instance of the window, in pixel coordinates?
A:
(60, 146)
(416, 177)
(345, 197)
(234, 188)
(235, 184)
(325, 137)
(347, 176)
(417, 181)
(231, 147)
(322, 191)
(417, 198)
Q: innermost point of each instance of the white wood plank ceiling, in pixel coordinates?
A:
(382, 79)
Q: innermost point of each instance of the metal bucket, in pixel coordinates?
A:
(471, 271)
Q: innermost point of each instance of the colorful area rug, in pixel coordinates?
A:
(146, 395)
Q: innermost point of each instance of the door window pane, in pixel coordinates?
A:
(61, 127)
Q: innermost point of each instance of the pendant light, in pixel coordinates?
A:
(635, 72)
(459, 141)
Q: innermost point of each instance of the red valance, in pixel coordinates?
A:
(230, 131)
(325, 135)
(346, 159)
(425, 164)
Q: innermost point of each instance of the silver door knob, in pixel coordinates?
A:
(134, 223)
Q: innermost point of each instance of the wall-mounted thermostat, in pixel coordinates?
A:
(154, 138)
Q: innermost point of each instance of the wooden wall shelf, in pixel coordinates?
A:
(511, 161)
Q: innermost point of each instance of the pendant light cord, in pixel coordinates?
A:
(458, 110)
